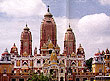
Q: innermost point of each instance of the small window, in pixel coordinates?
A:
(5, 70)
(84, 79)
(63, 61)
(50, 51)
(101, 58)
(92, 79)
(21, 79)
(51, 71)
(77, 79)
(100, 70)
(49, 62)
(74, 70)
(107, 56)
(24, 63)
(96, 59)
(57, 61)
(73, 63)
(25, 70)
(38, 71)
(43, 61)
(108, 64)
(13, 79)
(12, 71)
(61, 79)
(61, 70)
(38, 61)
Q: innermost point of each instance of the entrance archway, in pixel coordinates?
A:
(61, 79)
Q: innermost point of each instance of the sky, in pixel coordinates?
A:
(89, 19)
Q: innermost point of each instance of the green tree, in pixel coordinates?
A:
(40, 77)
(89, 64)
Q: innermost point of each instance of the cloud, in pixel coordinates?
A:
(104, 2)
(22, 8)
(90, 23)
(94, 32)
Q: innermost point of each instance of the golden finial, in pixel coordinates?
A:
(48, 8)
(26, 24)
(14, 44)
(69, 25)
(98, 50)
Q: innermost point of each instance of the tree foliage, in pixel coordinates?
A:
(89, 64)
(39, 77)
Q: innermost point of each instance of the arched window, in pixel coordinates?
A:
(25, 63)
(38, 71)
(108, 64)
(61, 79)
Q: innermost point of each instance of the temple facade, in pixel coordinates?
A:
(67, 66)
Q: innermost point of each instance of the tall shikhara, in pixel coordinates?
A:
(48, 30)
(69, 42)
(26, 42)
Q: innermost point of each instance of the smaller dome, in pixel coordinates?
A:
(69, 29)
(14, 49)
(26, 28)
(103, 52)
(107, 51)
(97, 54)
(80, 50)
(5, 52)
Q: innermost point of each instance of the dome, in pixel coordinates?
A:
(80, 50)
(98, 53)
(107, 51)
(26, 28)
(5, 52)
(14, 49)
(69, 35)
(26, 34)
(48, 14)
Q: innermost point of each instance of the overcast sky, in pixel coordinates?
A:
(89, 19)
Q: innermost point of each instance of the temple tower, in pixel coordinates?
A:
(69, 42)
(26, 42)
(48, 30)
